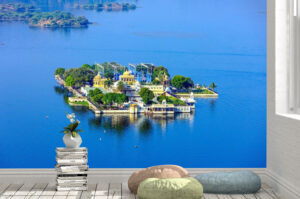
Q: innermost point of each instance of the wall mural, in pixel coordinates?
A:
(148, 82)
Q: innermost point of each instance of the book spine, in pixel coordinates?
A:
(71, 161)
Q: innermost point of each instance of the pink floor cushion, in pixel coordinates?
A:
(163, 171)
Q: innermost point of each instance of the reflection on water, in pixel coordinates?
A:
(65, 93)
(212, 104)
(145, 127)
(120, 123)
(144, 123)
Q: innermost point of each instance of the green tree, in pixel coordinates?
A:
(86, 66)
(70, 81)
(109, 75)
(108, 83)
(146, 95)
(121, 98)
(81, 76)
(213, 86)
(189, 83)
(121, 86)
(94, 92)
(97, 98)
(108, 98)
(59, 71)
(158, 70)
(182, 82)
(97, 91)
(155, 82)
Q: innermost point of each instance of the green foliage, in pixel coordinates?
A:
(146, 95)
(212, 86)
(82, 76)
(92, 67)
(72, 128)
(70, 81)
(111, 98)
(158, 71)
(182, 82)
(155, 82)
(94, 92)
(170, 100)
(83, 103)
(109, 75)
(97, 98)
(59, 71)
(28, 13)
(86, 66)
(108, 83)
(121, 86)
(203, 91)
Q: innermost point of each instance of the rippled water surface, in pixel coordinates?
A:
(209, 40)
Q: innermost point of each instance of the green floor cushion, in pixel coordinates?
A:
(170, 188)
(238, 182)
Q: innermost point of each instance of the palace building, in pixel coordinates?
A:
(156, 89)
(99, 81)
(128, 78)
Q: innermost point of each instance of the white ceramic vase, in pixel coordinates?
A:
(72, 142)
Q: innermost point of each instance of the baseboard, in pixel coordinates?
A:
(281, 187)
(95, 175)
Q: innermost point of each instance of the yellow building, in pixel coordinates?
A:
(99, 81)
(127, 78)
(156, 89)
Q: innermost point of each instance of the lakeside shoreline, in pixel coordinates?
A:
(36, 18)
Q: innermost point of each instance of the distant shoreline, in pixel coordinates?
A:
(31, 15)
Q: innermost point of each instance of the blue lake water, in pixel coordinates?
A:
(209, 40)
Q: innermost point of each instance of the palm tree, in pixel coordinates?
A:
(72, 128)
(213, 86)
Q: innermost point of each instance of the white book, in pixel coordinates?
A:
(73, 182)
(71, 161)
(61, 149)
(71, 156)
(81, 188)
(72, 169)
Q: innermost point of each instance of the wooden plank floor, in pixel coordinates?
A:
(101, 191)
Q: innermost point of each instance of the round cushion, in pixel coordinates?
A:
(179, 188)
(163, 171)
(238, 182)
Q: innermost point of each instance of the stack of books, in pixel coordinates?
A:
(71, 167)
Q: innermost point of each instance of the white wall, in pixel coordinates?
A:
(283, 133)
